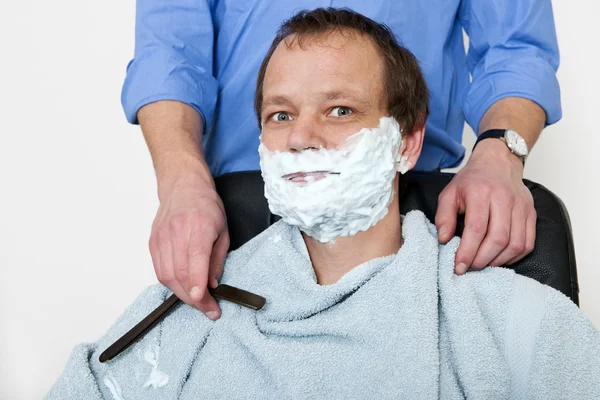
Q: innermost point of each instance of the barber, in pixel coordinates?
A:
(191, 87)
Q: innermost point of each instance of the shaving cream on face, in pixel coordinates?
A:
(346, 190)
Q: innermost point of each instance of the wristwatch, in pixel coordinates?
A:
(515, 142)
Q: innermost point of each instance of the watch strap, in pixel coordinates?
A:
(491, 133)
(496, 134)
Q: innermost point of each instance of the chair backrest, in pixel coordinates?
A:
(552, 262)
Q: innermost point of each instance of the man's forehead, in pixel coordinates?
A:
(336, 67)
(338, 52)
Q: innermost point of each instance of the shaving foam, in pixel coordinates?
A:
(157, 378)
(356, 191)
(114, 388)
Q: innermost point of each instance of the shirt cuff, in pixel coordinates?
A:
(529, 78)
(161, 75)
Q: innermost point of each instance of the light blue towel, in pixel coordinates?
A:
(402, 326)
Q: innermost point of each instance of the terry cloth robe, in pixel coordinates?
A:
(401, 326)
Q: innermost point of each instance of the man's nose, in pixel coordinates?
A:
(306, 133)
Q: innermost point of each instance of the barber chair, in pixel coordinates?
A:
(552, 261)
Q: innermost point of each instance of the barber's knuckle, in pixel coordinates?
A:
(443, 196)
(209, 235)
(181, 265)
(208, 231)
(166, 278)
(197, 253)
(517, 247)
(483, 189)
(206, 217)
(478, 226)
(501, 239)
(521, 202)
(528, 204)
(181, 273)
(202, 234)
(197, 214)
(177, 223)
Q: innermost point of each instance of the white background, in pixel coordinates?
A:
(77, 190)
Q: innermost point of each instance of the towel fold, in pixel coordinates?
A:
(401, 326)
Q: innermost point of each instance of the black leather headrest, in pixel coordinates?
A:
(552, 262)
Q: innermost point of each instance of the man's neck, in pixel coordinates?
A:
(333, 260)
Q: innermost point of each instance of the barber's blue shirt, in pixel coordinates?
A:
(207, 54)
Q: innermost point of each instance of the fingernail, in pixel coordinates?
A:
(195, 293)
(214, 283)
(442, 232)
(461, 268)
(212, 315)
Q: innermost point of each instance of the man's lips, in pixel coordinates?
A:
(303, 177)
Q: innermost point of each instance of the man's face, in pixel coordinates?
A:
(320, 95)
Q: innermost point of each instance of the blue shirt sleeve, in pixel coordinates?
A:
(173, 57)
(513, 52)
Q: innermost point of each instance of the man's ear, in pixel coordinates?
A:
(413, 144)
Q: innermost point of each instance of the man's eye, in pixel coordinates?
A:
(340, 111)
(281, 116)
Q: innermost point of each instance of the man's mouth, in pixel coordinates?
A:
(305, 177)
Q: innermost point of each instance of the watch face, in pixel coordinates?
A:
(516, 143)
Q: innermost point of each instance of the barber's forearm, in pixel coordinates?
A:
(519, 114)
(173, 132)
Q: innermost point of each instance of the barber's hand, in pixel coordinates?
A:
(189, 241)
(499, 213)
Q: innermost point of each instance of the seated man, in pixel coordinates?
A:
(361, 302)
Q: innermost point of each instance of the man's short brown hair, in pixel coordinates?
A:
(404, 86)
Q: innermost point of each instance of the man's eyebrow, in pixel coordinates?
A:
(340, 95)
(276, 101)
(280, 100)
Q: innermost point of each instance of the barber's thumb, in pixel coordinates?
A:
(217, 259)
(446, 214)
(209, 307)
(445, 222)
(446, 225)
